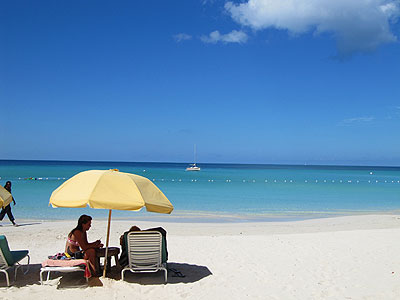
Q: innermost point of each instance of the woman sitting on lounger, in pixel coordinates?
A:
(77, 245)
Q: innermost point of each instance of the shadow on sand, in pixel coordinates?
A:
(178, 273)
(62, 280)
(20, 224)
(31, 277)
(183, 273)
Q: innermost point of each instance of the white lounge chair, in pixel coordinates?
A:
(9, 259)
(58, 269)
(144, 253)
(62, 266)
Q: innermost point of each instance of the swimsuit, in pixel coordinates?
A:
(72, 242)
(77, 254)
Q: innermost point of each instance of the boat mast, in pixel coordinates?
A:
(194, 154)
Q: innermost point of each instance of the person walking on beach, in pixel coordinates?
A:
(7, 209)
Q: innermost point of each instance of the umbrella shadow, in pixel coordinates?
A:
(177, 273)
(71, 280)
(65, 280)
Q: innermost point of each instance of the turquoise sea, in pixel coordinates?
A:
(219, 192)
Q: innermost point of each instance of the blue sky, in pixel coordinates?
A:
(265, 81)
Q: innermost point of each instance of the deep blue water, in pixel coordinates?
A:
(243, 191)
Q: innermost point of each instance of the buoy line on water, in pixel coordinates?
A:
(268, 180)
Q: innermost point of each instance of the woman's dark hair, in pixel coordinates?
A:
(82, 220)
(8, 188)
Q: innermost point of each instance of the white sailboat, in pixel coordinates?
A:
(193, 166)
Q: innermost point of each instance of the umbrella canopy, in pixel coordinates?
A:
(110, 189)
(5, 197)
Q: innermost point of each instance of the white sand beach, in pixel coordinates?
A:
(356, 257)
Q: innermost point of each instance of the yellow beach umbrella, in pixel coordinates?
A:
(5, 197)
(110, 189)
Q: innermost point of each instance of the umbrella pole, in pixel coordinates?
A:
(107, 239)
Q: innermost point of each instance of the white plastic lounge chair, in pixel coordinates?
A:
(9, 259)
(58, 269)
(63, 266)
(144, 253)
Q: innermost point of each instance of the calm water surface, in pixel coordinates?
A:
(237, 192)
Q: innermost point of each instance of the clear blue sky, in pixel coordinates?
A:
(262, 82)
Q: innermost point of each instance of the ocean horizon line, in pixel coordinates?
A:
(222, 164)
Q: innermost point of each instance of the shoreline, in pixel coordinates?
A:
(219, 217)
(341, 223)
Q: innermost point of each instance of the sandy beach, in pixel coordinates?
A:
(354, 257)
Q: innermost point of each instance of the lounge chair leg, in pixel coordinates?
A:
(122, 274)
(166, 275)
(27, 268)
(7, 279)
(15, 272)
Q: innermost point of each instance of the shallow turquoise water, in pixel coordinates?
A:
(248, 192)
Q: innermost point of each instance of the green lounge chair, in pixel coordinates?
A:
(144, 252)
(9, 259)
